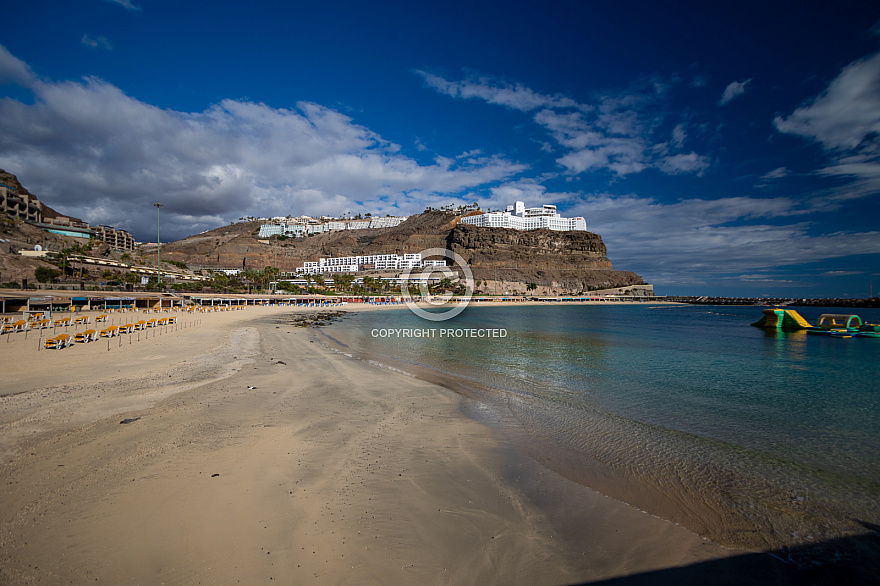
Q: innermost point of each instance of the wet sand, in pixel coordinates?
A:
(258, 454)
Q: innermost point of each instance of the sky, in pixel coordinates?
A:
(718, 148)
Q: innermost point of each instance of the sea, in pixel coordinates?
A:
(753, 438)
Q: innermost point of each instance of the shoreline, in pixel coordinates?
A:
(699, 483)
(383, 476)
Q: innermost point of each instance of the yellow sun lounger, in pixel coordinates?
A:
(101, 318)
(58, 342)
(151, 323)
(126, 329)
(16, 326)
(84, 319)
(110, 332)
(86, 336)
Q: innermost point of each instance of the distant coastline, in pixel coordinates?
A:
(796, 302)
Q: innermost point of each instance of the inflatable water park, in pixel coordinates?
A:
(837, 325)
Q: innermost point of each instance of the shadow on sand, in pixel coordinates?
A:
(844, 561)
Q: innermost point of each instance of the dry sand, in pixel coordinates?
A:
(329, 471)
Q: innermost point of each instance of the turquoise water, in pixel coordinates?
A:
(751, 437)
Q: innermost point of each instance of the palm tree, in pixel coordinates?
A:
(270, 274)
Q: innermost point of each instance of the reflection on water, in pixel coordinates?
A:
(740, 431)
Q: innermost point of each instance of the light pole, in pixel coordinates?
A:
(158, 248)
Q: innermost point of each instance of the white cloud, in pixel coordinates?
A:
(845, 120)
(127, 4)
(679, 134)
(96, 42)
(699, 240)
(777, 173)
(91, 151)
(14, 70)
(846, 116)
(683, 163)
(841, 273)
(615, 133)
(493, 91)
(733, 90)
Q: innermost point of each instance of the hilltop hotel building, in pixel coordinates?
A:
(379, 262)
(519, 217)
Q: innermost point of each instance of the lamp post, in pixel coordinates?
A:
(158, 248)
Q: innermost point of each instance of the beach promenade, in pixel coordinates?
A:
(237, 448)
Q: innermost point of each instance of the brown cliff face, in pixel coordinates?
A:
(506, 260)
(558, 262)
(503, 248)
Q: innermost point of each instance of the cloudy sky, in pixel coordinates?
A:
(717, 149)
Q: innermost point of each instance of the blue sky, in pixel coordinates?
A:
(731, 150)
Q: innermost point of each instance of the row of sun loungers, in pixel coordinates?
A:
(212, 308)
(65, 340)
(143, 324)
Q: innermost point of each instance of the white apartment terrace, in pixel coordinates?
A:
(299, 227)
(519, 217)
(379, 262)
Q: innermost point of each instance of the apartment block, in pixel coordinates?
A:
(20, 205)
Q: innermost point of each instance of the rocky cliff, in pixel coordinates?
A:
(557, 262)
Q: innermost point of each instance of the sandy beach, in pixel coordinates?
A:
(257, 454)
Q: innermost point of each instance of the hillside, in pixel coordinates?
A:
(502, 260)
(558, 262)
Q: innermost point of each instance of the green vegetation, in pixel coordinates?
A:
(288, 287)
(46, 275)
(450, 209)
(193, 287)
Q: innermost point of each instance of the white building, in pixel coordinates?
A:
(387, 222)
(303, 225)
(290, 230)
(377, 222)
(519, 217)
(379, 262)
